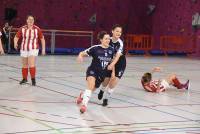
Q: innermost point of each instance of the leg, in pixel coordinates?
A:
(24, 70)
(173, 80)
(117, 73)
(112, 83)
(113, 80)
(88, 92)
(105, 83)
(32, 68)
(103, 87)
(91, 83)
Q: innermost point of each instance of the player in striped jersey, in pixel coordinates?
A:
(1, 46)
(101, 57)
(29, 48)
(163, 84)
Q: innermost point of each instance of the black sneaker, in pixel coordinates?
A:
(33, 81)
(187, 85)
(105, 102)
(23, 81)
(100, 95)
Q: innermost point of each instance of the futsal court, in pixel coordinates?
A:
(50, 108)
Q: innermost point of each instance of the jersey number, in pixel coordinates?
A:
(104, 64)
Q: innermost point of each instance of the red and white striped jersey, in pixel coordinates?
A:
(29, 37)
(152, 86)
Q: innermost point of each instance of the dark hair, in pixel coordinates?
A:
(101, 35)
(30, 16)
(115, 26)
(147, 77)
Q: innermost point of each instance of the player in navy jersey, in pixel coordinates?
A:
(117, 66)
(102, 56)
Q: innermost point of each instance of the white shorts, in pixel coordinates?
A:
(165, 84)
(33, 52)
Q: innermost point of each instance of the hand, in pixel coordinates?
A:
(43, 52)
(16, 46)
(79, 59)
(158, 91)
(2, 52)
(110, 67)
(157, 69)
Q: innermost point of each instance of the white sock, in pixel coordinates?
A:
(102, 88)
(86, 96)
(108, 93)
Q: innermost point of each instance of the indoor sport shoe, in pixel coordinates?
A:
(100, 95)
(23, 81)
(187, 85)
(83, 109)
(33, 82)
(79, 99)
(105, 102)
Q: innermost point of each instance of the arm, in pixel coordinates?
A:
(1, 47)
(15, 42)
(81, 55)
(16, 38)
(146, 86)
(88, 52)
(117, 56)
(10, 28)
(156, 69)
(113, 72)
(148, 89)
(115, 60)
(41, 37)
(4, 30)
(43, 45)
(158, 88)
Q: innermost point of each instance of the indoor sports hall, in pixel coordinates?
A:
(160, 34)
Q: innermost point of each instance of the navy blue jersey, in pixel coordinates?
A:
(120, 66)
(118, 46)
(102, 57)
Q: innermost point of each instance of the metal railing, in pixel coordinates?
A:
(178, 43)
(138, 42)
(53, 34)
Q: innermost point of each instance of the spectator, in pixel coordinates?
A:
(5, 36)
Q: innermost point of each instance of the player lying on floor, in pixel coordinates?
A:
(161, 85)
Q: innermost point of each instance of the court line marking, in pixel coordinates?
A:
(58, 131)
(124, 96)
(115, 99)
(151, 127)
(55, 115)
